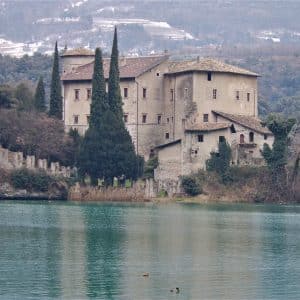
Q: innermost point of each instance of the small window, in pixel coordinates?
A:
(76, 119)
(125, 118)
(76, 94)
(214, 93)
(144, 118)
(205, 118)
(88, 94)
(171, 94)
(237, 95)
(159, 119)
(200, 138)
(221, 139)
(125, 92)
(251, 137)
(167, 135)
(168, 120)
(242, 139)
(265, 136)
(144, 93)
(157, 74)
(88, 119)
(208, 76)
(186, 92)
(248, 96)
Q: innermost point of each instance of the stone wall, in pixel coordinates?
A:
(11, 160)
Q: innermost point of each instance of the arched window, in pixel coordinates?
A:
(251, 137)
(242, 139)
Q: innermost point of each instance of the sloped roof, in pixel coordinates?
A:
(246, 121)
(207, 65)
(78, 52)
(130, 67)
(205, 126)
(168, 144)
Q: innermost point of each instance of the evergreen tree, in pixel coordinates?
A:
(276, 158)
(39, 97)
(55, 92)
(125, 161)
(220, 162)
(114, 93)
(99, 98)
(92, 157)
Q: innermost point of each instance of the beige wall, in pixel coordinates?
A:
(226, 85)
(180, 107)
(196, 153)
(149, 134)
(253, 150)
(170, 162)
(71, 62)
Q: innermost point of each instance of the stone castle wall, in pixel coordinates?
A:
(11, 160)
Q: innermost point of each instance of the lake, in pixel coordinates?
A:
(100, 251)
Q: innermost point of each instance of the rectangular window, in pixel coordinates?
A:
(237, 95)
(205, 117)
(214, 93)
(144, 118)
(186, 92)
(265, 136)
(171, 94)
(88, 119)
(167, 135)
(88, 94)
(208, 76)
(159, 119)
(221, 139)
(144, 93)
(125, 118)
(248, 96)
(76, 119)
(200, 138)
(168, 120)
(76, 94)
(125, 92)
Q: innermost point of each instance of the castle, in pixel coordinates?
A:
(179, 110)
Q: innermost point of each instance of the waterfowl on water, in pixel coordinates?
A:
(176, 289)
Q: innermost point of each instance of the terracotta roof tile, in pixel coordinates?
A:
(78, 52)
(206, 65)
(205, 126)
(246, 121)
(130, 67)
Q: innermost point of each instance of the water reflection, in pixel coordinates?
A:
(101, 251)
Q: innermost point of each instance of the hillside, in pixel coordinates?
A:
(146, 26)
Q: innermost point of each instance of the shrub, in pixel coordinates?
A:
(191, 185)
(220, 162)
(30, 180)
(151, 164)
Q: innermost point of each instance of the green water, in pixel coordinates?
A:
(69, 251)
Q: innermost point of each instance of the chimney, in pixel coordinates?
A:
(122, 61)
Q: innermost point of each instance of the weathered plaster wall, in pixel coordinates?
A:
(226, 85)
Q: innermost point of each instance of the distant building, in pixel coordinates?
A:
(177, 109)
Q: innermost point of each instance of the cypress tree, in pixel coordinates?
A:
(39, 97)
(99, 98)
(93, 154)
(114, 93)
(55, 92)
(125, 160)
(107, 150)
